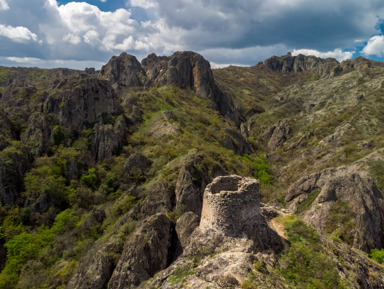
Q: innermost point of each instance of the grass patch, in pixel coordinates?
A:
(303, 206)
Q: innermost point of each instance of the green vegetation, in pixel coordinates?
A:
(307, 264)
(340, 222)
(303, 206)
(377, 255)
(377, 170)
(179, 274)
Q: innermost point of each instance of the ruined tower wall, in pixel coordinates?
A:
(230, 204)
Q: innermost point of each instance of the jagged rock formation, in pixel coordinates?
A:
(183, 69)
(143, 255)
(124, 70)
(301, 63)
(234, 141)
(80, 102)
(13, 166)
(344, 190)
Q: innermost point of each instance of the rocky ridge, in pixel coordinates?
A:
(119, 178)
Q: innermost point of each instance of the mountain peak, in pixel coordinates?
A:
(300, 63)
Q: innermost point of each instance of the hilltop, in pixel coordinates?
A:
(124, 177)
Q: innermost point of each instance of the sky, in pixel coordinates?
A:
(58, 33)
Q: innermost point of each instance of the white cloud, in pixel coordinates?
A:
(221, 57)
(53, 63)
(91, 37)
(375, 46)
(4, 5)
(337, 53)
(73, 39)
(146, 4)
(17, 34)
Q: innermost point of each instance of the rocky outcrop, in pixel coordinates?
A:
(14, 163)
(81, 101)
(236, 142)
(137, 161)
(108, 139)
(144, 254)
(38, 133)
(342, 190)
(7, 130)
(277, 134)
(189, 70)
(301, 63)
(190, 184)
(185, 225)
(124, 70)
(96, 268)
(159, 200)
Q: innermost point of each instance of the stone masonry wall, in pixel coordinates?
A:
(231, 204)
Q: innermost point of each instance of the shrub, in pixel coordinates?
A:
(306, 264)
(90, 179)
(377, 255)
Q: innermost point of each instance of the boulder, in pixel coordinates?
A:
(185, 225)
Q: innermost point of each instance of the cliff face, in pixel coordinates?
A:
(187, 70)
(167, 174)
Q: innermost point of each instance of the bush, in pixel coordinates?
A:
(90, 179)
(306, 264)
(377, 255)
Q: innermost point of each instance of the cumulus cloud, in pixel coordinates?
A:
(18, 34)
(4, 5)
(221, 57)
(146, 4)
(43, 63)
(337, 53)
(375, 46)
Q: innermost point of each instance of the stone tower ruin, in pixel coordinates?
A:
(231, 204)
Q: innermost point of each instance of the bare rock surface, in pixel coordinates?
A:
(145, 253)
(301, 63)
(81, 101)
(357, 197)
(124, 70)
(96, 268)
(277, 134)
(190, 184)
